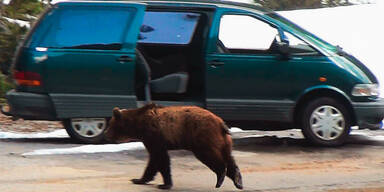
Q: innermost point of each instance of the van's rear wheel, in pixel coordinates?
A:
(86, 130)
(326, 122)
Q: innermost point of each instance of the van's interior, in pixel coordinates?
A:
(169, 57)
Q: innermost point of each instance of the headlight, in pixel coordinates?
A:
(366, 90)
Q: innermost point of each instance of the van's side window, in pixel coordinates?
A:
(243, 34)
(168, 27)
(88, 28)
(299, 47)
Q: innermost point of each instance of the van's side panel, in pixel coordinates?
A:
(83, 79)
(248, 86)
(88, 82)
(89, 105)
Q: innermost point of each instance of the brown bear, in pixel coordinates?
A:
(176, 127)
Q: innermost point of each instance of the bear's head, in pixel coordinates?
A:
(122, 126)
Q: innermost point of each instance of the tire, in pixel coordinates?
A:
(326, 122)
(86, 130)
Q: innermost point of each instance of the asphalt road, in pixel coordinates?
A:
(269, 161)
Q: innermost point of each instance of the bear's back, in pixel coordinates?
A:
(185, 125)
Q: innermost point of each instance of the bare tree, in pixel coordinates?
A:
(300, 4)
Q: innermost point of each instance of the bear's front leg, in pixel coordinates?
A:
(150, 170)
(165, 169)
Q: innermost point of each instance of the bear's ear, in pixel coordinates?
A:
(116, 113)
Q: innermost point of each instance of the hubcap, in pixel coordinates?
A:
(327, 122)
(89, 127)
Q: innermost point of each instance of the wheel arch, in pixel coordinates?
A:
(322, 91)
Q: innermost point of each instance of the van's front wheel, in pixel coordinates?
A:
(86, 130)
(326, 122)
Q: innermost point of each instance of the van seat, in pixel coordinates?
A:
(171, 83)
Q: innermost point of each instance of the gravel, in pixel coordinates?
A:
(27, 126)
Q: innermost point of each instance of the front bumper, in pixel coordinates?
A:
(369, 115)
(30, 106)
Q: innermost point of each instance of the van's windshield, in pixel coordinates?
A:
(302, 32)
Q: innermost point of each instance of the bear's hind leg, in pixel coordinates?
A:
(214, 161)
(233, 172)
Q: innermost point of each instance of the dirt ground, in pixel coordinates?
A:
(269, 161)
(20, 125)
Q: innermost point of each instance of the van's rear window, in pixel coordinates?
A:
(88, 28)
(168, 27)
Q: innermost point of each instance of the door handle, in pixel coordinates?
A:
(124, 59)
(216, 63)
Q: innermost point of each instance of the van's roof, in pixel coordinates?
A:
(207, 3)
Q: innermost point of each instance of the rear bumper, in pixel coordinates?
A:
(30, 106)
(369, 115)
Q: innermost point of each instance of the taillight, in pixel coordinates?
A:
(26, 78)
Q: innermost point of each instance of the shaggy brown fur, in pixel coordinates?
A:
(176, 127)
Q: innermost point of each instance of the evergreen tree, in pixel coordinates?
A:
(9, 39)
(20, 9)
(11, 33)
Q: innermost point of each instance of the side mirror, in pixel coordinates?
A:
(283, 47)
(283, 50)
(283, 44)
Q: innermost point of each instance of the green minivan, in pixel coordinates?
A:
(250, 66)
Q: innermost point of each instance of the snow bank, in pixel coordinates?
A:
(90, 149)
(244, 1)
(377, 138)
(371, 135)
(54, 134)
(73, 150)
(235, 130)
(19, 22)
(6, 2)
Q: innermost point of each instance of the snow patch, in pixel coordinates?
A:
(6, 2)
(21, 23)
(377, 138)
(243, 1)
(235, 130)
(360, 133)
(54, 134)
(371, 135)
(108, 148)
(73, 150)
